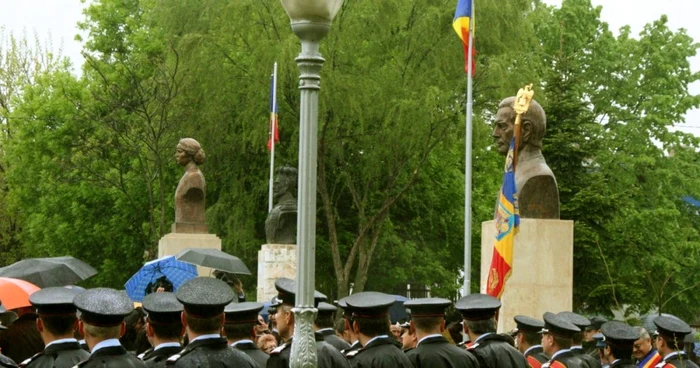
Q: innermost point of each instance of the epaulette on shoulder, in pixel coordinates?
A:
(29, 360)
(174, 358)
(140, 356)
(278, 349)
(663, 364)
(82, 364)
(353, 353)
(473, 346)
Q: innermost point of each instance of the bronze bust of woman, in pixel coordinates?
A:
(191, 192)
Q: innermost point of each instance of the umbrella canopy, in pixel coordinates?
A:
(397, 312)
(213, 258)
(46, 272)
(164, 270)
(15, 293)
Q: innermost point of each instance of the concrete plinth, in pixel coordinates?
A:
(174, 243)
(542, 278)
(274, 261)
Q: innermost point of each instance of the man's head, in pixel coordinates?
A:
(204, 299)
(642, 346)
(427, 315)
(370, 313)
(670, 333)
(324, 319)
(241, 320)
(163, 321)
(619, 339)
(286, 300)
(577, 320)
(478, 312)
(408, 336)
(396, 330)
(527, 332)
(533, 125)
(285, 181)
(56, 312)
(557, 333)
(593, 328)
(102, 312)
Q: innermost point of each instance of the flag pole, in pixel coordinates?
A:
(273, 121)
(468, 163)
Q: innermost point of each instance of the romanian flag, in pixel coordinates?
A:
(651, 360)
(274, 131)
(507, 222)
(463, 24)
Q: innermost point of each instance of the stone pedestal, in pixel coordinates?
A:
(543, 269)
(275, 261)
(173, 243)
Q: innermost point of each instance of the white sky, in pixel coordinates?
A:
(57, 19)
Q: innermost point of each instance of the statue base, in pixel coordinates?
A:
(542, 278)
(173, 243)
(189, 228)
(274, 261)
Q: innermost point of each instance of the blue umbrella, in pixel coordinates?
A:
(397, 312)
(176, 272)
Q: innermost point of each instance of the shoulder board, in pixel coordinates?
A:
(29, 360)
(278, 349)
(173, 359)
(473, 346)
(84, 362)
(140, 356)
(352, 353)
(557, 364)
(664, 365)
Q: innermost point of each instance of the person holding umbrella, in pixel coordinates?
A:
(56, 322)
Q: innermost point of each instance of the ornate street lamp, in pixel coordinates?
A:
(311, 21)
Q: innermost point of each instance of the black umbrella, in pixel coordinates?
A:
(46, 272)
(213, 258)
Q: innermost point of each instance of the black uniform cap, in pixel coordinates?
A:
(326, 309)
(370, 304)
(427, 307)
(619, 334)
(528, 324)
(52, 301)
(596, 323)
(347, 310)
(103, 307)
(558, 326)
(477, 307)
(575, 319)
(162, 307)
(599, 340)
(286, 292)
(240, 313)
(671, 327)
(204, 297)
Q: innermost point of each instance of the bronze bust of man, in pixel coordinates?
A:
(190, 195)
(281, 223)
(538, 195)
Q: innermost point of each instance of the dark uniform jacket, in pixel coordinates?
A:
(157, 358)
(6, 362)
(210, 352)
(623, 363)
(334, 340)
(59, 355)
(677, 360)
(382, 352)
(436, 351)
(354, 346)
(535, 356)
(494, 351)
(252, 351)
(567, 359)
(327, 356)
(111, 357)
(587, 360)
(22, 340)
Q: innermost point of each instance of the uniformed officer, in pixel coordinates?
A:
(370, 322)
(327, 356)
(670, 332)
(491, 349)
(527, 340)
(272, 315)
(204, 299)
(56, 322)
(619, 339)
(351, 336)
(5, 361)
(557, 337)
(241, 319)
(600, 345)
(590, 332)
(324, 326)
(577, 340)
(102, 312)
(408, 337)
(433, 349)
(164, 327)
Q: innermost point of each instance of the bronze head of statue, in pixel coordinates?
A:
(538, 195)
(281, 223)
(190, 195)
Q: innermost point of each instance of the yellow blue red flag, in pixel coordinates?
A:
(507, 223)
(463, 24)
(274, 130)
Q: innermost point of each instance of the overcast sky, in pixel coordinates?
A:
(58, 19)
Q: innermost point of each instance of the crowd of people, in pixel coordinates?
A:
(205, 324)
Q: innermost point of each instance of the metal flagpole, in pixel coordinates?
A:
(273, 122)
(468, 164)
